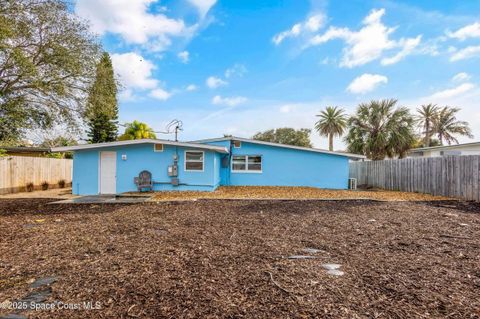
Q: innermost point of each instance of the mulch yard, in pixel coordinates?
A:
(229, 259)
(269, 192)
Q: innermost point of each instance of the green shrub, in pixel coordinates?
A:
(45, 185)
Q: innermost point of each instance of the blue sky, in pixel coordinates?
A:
(242, 66)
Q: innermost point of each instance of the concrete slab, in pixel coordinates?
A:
(103, 199)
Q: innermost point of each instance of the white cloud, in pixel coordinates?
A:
(366, 83)
(408, 46)
(466, 53)
(450, 93)
(160, 94)
(135, 74)
(191, 87)
(203, 6)
(236, 70)
(469, 31)
(228, 101)
(369, 43)
(288, 108)
(312, 24)
(214, 82)
(134, 71)
(132, 20)
(184, 56)
(461, 77)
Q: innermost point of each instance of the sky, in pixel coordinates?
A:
(242, 66)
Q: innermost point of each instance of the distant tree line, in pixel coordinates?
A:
(379, 129)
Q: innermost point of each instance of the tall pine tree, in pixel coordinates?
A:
(102, 108)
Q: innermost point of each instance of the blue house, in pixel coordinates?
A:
(110, 168)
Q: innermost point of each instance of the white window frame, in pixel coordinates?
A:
(246, 170)
(155, 150)
(185, 161)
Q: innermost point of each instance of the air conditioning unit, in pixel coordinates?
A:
(352, 183)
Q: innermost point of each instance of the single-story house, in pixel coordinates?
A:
(110, 168)
(446, 150)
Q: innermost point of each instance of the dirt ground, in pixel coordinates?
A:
(229, 259)
(269, 192)
(59, 193)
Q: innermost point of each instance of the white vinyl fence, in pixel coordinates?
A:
(17, 171)
(451, 176)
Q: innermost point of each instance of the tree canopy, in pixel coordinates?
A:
(446, 125)
(102, 108)
(47, 63)
(441, 122)
(379, 129)
(426, 119)
(137, 130)
(286, 135)
(332, 122)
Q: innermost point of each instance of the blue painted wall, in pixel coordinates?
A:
(288, 167)
(85, 173)
(142, 157)
(280, 167)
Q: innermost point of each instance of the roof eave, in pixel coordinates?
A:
(135, 142)
(308, 149)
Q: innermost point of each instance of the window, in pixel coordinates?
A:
(239, 163)
(158, 147)
(247, 163)
(237, 144)
(193, 161)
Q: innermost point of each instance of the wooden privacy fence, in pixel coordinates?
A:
(451, 176)
(17, 171)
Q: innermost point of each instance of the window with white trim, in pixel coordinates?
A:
(158, 147)
(194, 161)
(246, 163)
(237, 144)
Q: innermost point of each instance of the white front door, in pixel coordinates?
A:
(108, 172)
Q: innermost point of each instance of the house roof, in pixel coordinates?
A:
(25, 149)
(218, 149)
(432, 148)
(309, 149)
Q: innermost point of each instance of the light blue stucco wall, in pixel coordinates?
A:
(280, 167)
(288, 167)
(142, 157)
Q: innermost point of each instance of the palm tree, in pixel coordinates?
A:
(379, 129)
(137, 130)
(332, 122)
(426, 116)
(446, 125)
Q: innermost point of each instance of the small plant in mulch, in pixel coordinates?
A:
(45, 185)
(61, 183)
(30, 187)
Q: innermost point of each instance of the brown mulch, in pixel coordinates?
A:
(227, 259)
(269, 192)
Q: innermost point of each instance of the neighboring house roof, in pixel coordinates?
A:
(219, 149)
(25, 149)
(444, 147)
(247, 140)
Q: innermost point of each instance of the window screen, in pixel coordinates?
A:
(193, 161)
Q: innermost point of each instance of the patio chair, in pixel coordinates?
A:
(144, 181)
